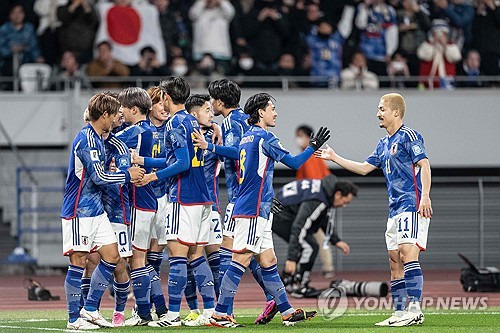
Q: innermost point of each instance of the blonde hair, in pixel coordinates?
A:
(395, 101)
(156, 94)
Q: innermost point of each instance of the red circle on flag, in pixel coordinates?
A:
(124, 25)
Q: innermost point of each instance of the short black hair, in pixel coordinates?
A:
(196, 100)
(147, 49)
(105, 42)
(308, 130)
(227, 91)
(177, 88)
(254, 103)
(346, 187)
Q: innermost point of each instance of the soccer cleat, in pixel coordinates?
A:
(224, 322)
(391, 319)
(408, 319)
(136, 320)
(268, 314)
(298, 316)
(82, 324)
(165, 322)
(200, 321)
(118, 319)
(191, 317)
(95, 317)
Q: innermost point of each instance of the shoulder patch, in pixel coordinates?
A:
(94, 155)
(417, 150)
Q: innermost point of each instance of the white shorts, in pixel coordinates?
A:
(407, 228)
(215, 236)
(141, 229)
(160, 221)
(229, 223)
(253, 234)
(85, 234)
(189, 225)
(123, 239)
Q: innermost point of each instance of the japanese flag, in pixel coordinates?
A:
(129, 29)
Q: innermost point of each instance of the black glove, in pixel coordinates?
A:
(276, 207)
(320, 138)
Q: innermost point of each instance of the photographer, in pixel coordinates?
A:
(148, 65)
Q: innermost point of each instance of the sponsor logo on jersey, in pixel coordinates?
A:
(394, 148)
(405, 236)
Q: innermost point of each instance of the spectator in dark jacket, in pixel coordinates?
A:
(169, 29)
(486, 30)
(79, 25)
(149, 65)
(459, 14)
(470, 70)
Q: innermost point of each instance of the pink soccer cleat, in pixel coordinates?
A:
(268, 314)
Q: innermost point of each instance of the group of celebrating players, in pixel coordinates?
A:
(143, 175)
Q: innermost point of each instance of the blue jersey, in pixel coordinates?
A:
(373, 38)
(115, 197)
(259, 149)
(86, 176)
(188, 187)
(326, 54)
(233, 128)
(160, 187)
(140, 138)
(211, 169)
(397, 156)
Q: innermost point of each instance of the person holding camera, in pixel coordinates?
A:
(148, 65)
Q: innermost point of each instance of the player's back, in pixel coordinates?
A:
(188, 187)
(234, 126)
(140, 138)
(258, 151)
(115, 197)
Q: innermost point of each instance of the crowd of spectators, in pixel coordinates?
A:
(352, 44)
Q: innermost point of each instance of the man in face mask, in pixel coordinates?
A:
(179, 66)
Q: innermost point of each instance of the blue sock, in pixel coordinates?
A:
(274, 286)
(156, 292)
(121, 295)
(229, 287)
(257, 274)
(398, 291)
(176, 284)
(225, 257)
(98, 283)
(414, 281)
(85, 290)
(205, 281)
(72, 288)
(214, 262)
(155, 259)
(190, 291)
(141, 285)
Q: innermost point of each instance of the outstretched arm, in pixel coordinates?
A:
(360, 168)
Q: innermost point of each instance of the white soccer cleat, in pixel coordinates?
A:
(408, 319)
(136, 320)
(391, 319)
(165, 322)
(82, 324)
(95, 317)
(202, 320)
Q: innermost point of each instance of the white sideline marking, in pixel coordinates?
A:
(38, 328)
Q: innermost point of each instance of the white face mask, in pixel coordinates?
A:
(246, 63)
(180, 70)
(300, 141)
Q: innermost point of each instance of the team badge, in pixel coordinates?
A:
(394, 149)
(85, 240)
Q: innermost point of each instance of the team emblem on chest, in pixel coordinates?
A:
(394, 148)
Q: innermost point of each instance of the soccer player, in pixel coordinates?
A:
(309, 205)
(85, 225)
(198, 105)
(189, 213)
(401, 155)
(157, 117)
(135, 104)
(225, 95)
(258, 151)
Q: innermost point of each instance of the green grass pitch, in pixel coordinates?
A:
(352, 321)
